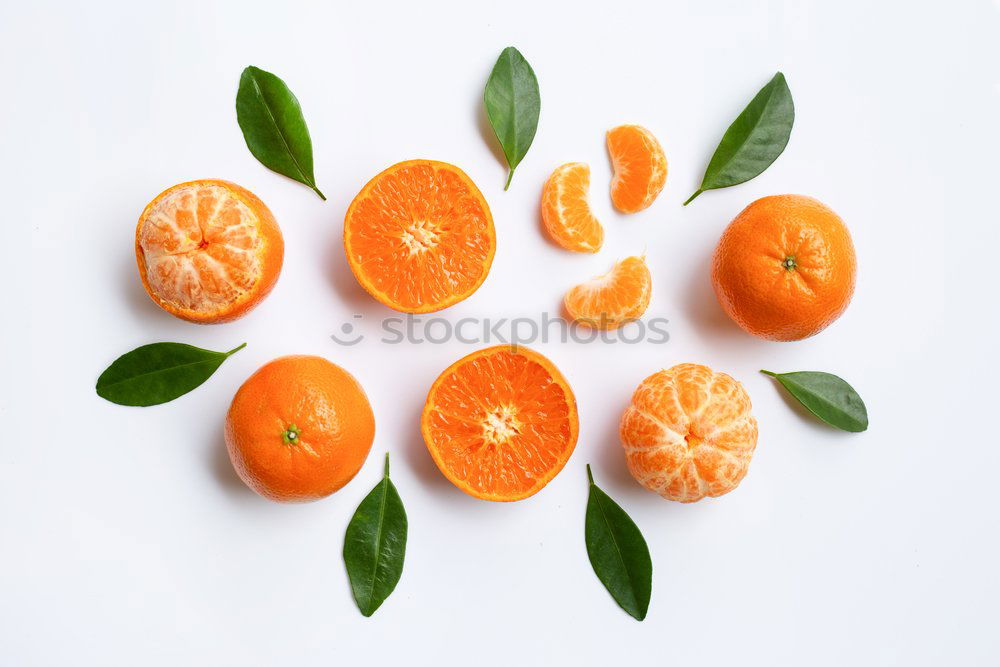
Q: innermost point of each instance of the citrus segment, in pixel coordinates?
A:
(609, 301)
(419, 236)
(208, 251)
(500, 423)
(640, 168)
(566, 210)
(688, 433)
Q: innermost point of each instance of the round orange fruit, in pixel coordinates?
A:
(500, 423)
(640, 168)
(784, 268)
(688, 433)
(299, 429)
(566, 213)
(208, 251)
(419, 236)
(618, 297)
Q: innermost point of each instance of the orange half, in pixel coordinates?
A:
(419, 236)
(500, 423)
(208, 251)
(566, 211)
(609, 301)
(640, 168)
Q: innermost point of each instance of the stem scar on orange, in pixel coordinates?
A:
(784, 268)
(419, 236)
(688, 433)
(208, 251)
(299, 429)
(500, 423)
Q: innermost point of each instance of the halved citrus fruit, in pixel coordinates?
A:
(419, 236)
(500, 423)
(609, 301)
(566, 209)
(688, 433)
(208, 251)
(640, 167)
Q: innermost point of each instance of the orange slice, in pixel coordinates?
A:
(208, 251)
(419, 237)
(566, 209)
(640, 168)
(609, 301)
(500, 423)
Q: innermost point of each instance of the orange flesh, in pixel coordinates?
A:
(688, 433)
(611, 300)
(419, 237)
(566, 211)
(640, 168)
(500, 424)
(201, 249)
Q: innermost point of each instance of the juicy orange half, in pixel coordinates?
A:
(419, 237)
(609, 301)
(566, 209)
(640, 168)
(500, 423)
(208, 251)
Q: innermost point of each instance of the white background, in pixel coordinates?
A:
(126, 537)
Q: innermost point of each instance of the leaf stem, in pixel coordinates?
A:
(235, 350)
(769, 373)
(691, 198)
(316, 190)
(385, 472)
(590, 475)
(509, 176)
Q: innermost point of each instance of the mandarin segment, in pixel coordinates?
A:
(688, 433)
(640, 168)
(419, 236)
(208, 251)
(566, 213)
(613, 299)
(500, 423)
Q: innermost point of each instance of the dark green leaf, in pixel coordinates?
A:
(375, 545)
(754, 140)
(273, 126)
(512, 105)
(826, 396)
(157, 373)
(618, 552)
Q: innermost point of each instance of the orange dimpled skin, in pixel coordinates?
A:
(500, 423)
(208, 251)
(566, 209)
(419, 236)
(784, 269)
(688, 433)
(299, 429)
(640, 167)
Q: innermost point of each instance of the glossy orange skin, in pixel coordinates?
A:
(785, 268)
(333, 418)
(272, 256)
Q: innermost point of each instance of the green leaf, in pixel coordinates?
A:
(512, 105)
(158, 373)
(273, 126)
(826, 396)
(375, 545)
(618, 552)
(754, 140)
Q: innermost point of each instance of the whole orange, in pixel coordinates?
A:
(784, 268)
(299, 429)
(208, 251)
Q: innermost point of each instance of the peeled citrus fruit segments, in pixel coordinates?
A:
(688, 433)
(609, 301)
(500, 423)
(208, 251)
(640, 168)
(419, 237)
(566, 210)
